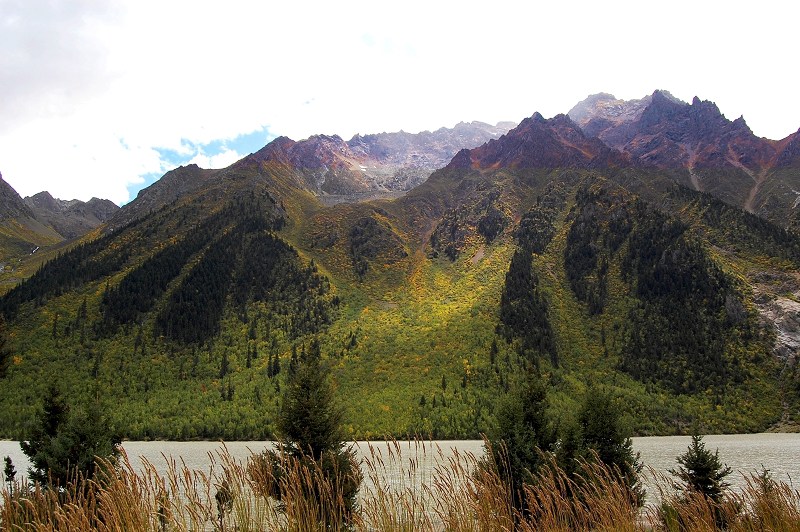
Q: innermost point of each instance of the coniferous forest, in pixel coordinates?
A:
(429, 309)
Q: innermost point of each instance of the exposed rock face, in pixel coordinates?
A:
(541, 143)
(790, 152)
(326, 163)
(668, 133)
(71, 218)
(381, 162)
(711, 153)
(405, 160)
(11, 204)
(779, 311)
(784, 314)
(603, 114)
(42, 220)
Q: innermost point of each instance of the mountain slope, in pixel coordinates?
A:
(21, 233)
(543, 246)
(32, 228)
(709, 152)
(73, 218)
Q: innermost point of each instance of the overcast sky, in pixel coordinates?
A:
(100, 98)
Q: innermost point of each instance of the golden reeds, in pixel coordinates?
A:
(407, 486)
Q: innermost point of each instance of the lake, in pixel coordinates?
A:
(745, 453)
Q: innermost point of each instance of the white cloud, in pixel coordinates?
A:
(222, 159)
(91, 90)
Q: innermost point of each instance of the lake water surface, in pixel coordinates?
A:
(745, 453)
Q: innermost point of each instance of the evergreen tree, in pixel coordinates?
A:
(64, 442)
(523, 434)
(601, 429)
(224, 366)
(701, 471)
(9, 473)
(5, 353)
(276, 365)
(310, 429)
(41, 435)
(310, 422)
(82, 311)
(523, 309)
(293, 361)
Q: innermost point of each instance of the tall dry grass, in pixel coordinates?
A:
(401, 491)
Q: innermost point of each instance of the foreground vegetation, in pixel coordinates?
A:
(401, 491)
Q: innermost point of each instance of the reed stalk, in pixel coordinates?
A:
(408, 486)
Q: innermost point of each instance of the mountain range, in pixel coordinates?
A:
(646, 246)
(720, 157)
(30, 224)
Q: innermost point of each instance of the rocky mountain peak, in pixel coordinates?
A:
(70, 218)
(536, 118)
(277, 150)
(606, 107)
(741, 125)
(539, 143)
(719, 156)
(790, 152)
(462, 160)
(43, 200)
(663, 107)
(11, 204)
(603, 113)
(564, 121)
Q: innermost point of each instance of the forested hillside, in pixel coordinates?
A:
(542, 247)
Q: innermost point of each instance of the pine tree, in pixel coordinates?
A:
(701, 471)
(5, 353)
(9, 473)
(64, 442)
(82, 311)
(310, 429)
(276, 365)
(44, 431)
(601, 429)
(310, 422)
(224, 366)
(523, 432)
(293, 361)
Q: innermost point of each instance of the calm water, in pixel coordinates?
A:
(747, 453)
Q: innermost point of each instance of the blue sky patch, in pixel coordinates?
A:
(243, 145)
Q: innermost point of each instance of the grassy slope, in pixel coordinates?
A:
(402, 330)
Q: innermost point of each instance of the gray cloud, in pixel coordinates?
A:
(53, 58)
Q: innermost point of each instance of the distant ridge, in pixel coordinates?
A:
(719, 156)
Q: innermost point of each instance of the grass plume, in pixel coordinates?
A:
(408, 486)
